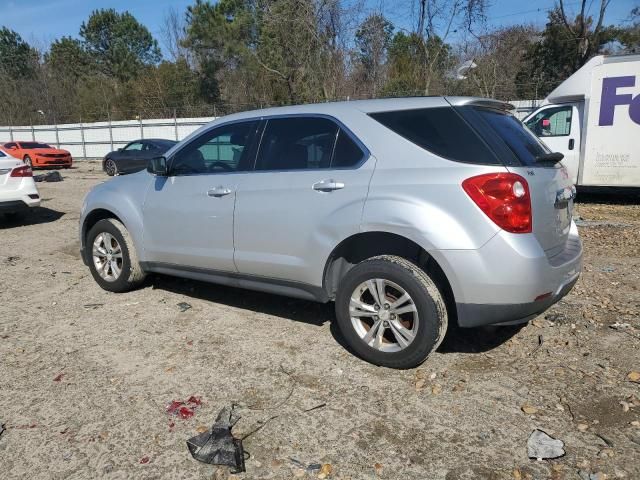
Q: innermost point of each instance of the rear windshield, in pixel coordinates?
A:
(441, 131)
(522, 143)
(30, 145)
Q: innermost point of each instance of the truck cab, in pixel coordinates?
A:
(593, 119)
(559, 127)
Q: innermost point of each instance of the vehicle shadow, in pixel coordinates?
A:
(457, 340)
(478, 339)
(289, 308)
(608, 195)
(32, 216)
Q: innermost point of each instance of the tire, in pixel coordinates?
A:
(113, 233)
(110, 167)
(426, 319)
(27, 161)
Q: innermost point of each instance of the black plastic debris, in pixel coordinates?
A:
(48, 177)
(2, 429)
(184, 306)
(217, 446)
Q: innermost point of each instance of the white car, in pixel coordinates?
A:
(18, 191)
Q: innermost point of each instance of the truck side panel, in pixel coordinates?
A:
(611, 155)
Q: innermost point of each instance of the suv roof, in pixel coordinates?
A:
(371, 106)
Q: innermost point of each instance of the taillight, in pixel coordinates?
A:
(22, 172)
(504, 198)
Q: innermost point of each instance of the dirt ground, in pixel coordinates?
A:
(86, 375)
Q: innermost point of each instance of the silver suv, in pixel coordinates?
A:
(408, 213)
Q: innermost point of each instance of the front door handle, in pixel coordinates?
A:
(219, 192)
(571, 143)
(328, 185)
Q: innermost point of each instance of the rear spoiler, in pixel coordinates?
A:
(480, 102)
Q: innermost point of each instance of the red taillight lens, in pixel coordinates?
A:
(22, 172)
(504, 198)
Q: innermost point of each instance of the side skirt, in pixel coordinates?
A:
(262, 284)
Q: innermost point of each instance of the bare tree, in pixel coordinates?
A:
(172, 34)
(437, 20)
(581, 31)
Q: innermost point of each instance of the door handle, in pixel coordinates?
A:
(328, 186)
(571, 143)
(219, 192)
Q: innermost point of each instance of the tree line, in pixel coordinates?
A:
(240, 54)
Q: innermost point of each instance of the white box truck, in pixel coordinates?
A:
(593, 119)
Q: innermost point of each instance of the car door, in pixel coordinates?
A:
(188, 215)
(128, 155)
(305, 194)
(558, 126)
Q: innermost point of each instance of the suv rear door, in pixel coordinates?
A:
(305, 194)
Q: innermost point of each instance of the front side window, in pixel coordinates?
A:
(297, 143)
(135, 146)
(10, 145)
(220, 150)
(551, 122)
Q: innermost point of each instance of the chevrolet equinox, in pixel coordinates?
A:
(408, 213)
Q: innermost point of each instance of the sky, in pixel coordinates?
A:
(41, 21)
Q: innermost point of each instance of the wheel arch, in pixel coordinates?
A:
(363, 245)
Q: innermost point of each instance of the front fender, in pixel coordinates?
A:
(123, 197)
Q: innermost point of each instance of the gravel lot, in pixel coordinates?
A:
(86, 375)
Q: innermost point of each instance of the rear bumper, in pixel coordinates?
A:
(9, 206)
(473, 314)
(510, 279)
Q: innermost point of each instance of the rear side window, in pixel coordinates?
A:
(520, 140)
(441, 131)
(297, 144)
(347, 153)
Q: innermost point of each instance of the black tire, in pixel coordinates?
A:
(131, 275)
(428, 300)
(110, 167)
(27, 161)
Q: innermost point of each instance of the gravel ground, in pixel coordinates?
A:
(86, 375)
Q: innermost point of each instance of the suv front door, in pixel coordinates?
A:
(306, 193)
(188, 216)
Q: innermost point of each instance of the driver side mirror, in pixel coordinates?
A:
(158, 167)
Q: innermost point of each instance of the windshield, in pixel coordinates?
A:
(31, 145)
(520, 140)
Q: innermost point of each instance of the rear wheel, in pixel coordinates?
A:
(391, 312)
(110, 167)
(27, 161)
(112, 257)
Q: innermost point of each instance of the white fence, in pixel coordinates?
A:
(95, 140)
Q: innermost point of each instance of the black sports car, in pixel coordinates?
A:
(134, 156)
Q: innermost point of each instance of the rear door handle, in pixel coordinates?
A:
(328, 185)
(219, 192)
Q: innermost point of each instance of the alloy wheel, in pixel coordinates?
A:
(384, 315)
(107, 257)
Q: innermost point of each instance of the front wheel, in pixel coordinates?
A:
(391, 312)
(27, 161)
(112, 257)
(110, 167)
